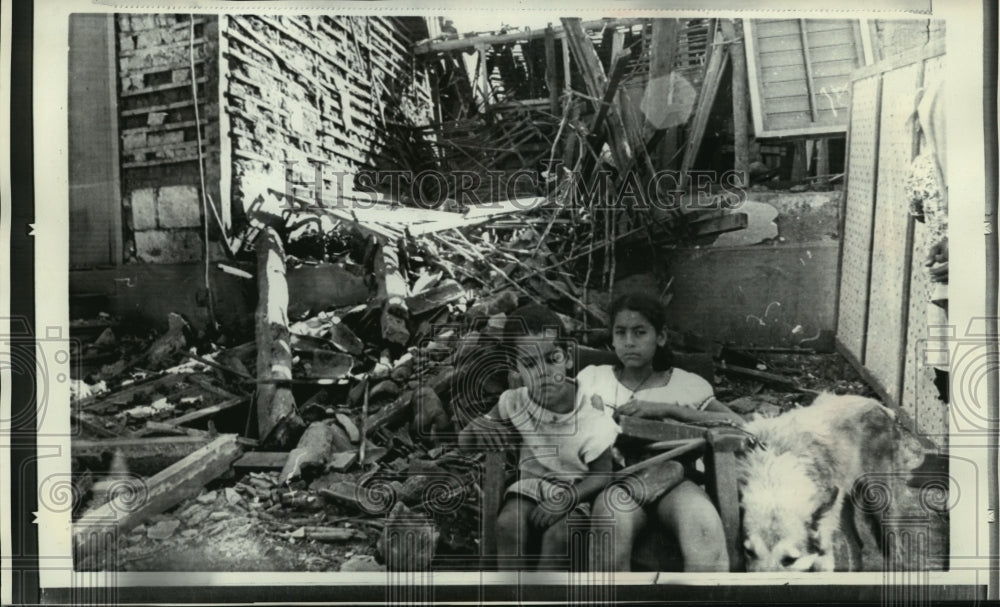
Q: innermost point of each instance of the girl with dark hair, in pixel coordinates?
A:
(645, 384)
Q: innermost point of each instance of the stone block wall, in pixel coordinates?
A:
(157, 94)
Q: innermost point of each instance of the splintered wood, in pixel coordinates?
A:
(276, 414)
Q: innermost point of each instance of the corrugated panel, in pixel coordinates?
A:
(797, 90)
(890, 245)
(855, 265)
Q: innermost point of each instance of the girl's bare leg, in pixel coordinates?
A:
(512, 531)
(688, 513)
(626, 519)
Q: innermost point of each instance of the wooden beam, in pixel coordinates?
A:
(262, 460)
(596, 83)
(706, 98)
(182, 480)
(771, 378)
(662, 53)
(733, 31)
(810, 82)
(277, 417)
(618, 65)
(551, 78)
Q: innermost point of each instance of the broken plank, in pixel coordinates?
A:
(393, 291)
(771, 378)
(390, 414)
(182, 480)
(328, 534)
(276, 414)
(206, 411)
(445, 293)
(657, 430)
(143, 456)
(262, 460)
(345, 493)
(129, 394)
(311, 453)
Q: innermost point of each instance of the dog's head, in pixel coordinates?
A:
(787, 513)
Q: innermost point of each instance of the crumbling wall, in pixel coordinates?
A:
(773, 284)
(898, 36)
(161, 181)
(313, 91)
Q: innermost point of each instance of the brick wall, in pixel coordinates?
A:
(306, 91)
(161, 191)
(272, 92)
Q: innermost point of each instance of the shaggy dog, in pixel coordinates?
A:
(796, 486)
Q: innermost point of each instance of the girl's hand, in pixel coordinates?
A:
(636, 407)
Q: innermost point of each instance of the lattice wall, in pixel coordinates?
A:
(882, 322)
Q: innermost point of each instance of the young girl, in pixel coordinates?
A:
(644, 384)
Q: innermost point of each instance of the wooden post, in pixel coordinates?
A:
(277, 417)
(823, 157)
(663, 48)
(709, 87)
(551, 78)
(483, 76)
(493, 488)
(733, 31)
(799, 161)
(722, 485)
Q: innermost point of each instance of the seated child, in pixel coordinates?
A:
(565, 457)
(645, 384)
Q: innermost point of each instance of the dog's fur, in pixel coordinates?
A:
(796, 489)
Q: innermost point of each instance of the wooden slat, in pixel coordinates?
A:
(817, 40)
(206, 411)
(794, 57)
(706, 98)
